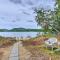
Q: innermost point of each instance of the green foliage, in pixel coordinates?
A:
(43, 18)
(57, 15)
(49, 35)
(49, 19)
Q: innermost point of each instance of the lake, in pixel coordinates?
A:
(18, 34)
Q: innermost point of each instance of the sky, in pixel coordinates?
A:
(20, 13)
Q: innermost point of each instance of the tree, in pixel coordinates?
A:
(43, 18)
(49, 19)
(57, 15)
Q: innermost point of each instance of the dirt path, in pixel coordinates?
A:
(19, 52)
(23, 53)
(14, 52)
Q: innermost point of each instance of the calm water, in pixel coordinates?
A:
(18, 34)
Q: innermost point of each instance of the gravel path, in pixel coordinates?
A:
(14, 52)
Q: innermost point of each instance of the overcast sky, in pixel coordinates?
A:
(20, 13)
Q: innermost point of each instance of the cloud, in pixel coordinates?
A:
(16, 13)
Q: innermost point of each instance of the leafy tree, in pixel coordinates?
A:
(49, 19)
(57, 15)
(43, 19)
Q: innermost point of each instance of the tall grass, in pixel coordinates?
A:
(6, 41)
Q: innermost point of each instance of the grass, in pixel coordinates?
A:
(5, 46)
(4, 42)
(39, 49)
